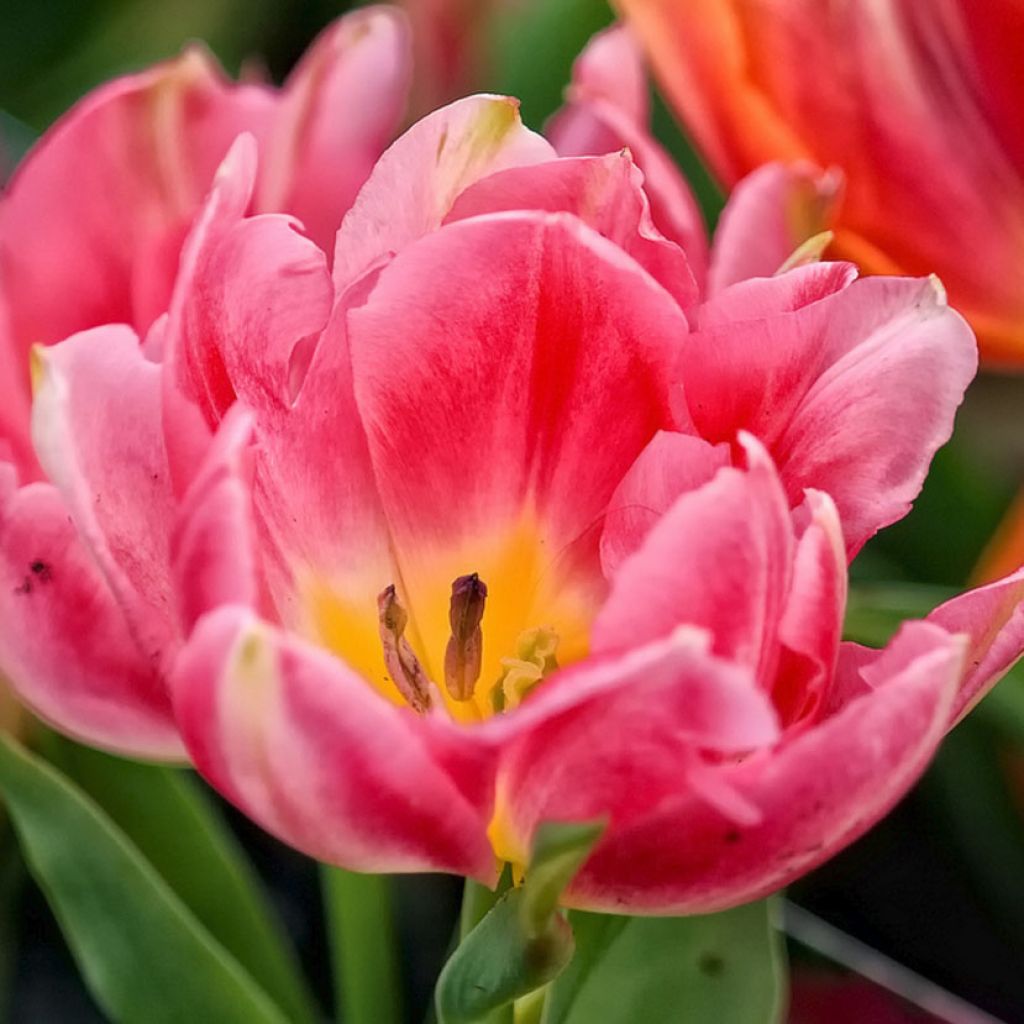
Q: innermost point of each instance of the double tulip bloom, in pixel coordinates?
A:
(498, 510)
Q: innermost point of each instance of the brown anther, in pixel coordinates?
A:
(401, 663)
(464, 654)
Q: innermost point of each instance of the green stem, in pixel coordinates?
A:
(477, 900)
(360, 925)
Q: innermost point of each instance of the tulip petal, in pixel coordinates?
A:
(111, 469)
(606, 193)
(669, 466)
(816, 792)
(416, 181)
(616, 736)
(489, 361)
(719, 559)
(96, 213)
(305, 747)
(992, 617)
(770, 214)
(607, 111)
(339, 110)
(852, 394)
(65, 646)
(887, 92)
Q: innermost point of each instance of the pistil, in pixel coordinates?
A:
(402, 664)
(464, 654)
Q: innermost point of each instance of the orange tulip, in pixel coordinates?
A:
(917, 103)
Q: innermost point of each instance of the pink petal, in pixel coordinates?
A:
(812, 624)
(416, 181)
(669, 466)
(96, 213)
(65, 646)
(213, 545)
(614, 737)
(604, 192)
(339, 110)
(992, 617)
(718, 559)
(816, 792)
(305, 747)
(607, 111)
(852, 394)
(490, 362)
(769, 215)
(111, 469)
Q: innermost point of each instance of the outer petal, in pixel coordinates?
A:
(770, 214)
(718, 559)
(852, 395)
(606, 193)
(617, 737)
(305, 747)
(112, 469)
(816, 793)
(992, 617)
(64, 645)
(340, 108)
(886, 92)
(606, 111)
(414, 184)
(97, 212)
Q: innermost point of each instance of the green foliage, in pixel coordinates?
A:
(174, 825)
(144, 955)
(702, 970)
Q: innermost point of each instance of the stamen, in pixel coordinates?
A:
(464, 654)
(402, 664)
(535, 658)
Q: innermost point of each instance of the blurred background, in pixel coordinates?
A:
(938, 886)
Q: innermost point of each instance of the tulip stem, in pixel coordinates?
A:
(360, 925)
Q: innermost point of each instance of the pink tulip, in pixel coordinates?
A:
(97, 212)
(492, 520)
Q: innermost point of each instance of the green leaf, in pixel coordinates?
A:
(360, 925)
(142, 953)
(174, 825)
(559, 850)
(522, 942)
(704, 970)
(499, 962)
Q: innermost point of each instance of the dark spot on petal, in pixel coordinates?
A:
(41, 570)
(710, 964)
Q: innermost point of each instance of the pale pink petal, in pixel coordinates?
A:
(852, 393)
(213, 545)
(769, 215)
(811, 626)
(303, 745)
(604, 192)
(719, 559)
(339, 110)
(669, 466)
(416, 181)
(606, 111)
(65, 646)
(992, 617)
(97, 429)
(615, 737)
(816, 792)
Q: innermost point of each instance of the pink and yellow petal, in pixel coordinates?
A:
(304, 746)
